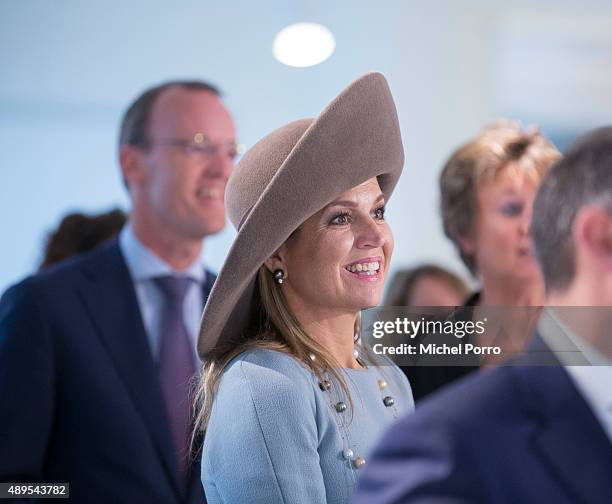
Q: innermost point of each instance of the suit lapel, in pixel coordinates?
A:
(569, 438)
(110, 298)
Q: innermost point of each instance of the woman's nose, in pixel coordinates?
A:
(526, 222)
(371, 235)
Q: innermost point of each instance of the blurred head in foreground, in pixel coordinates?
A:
(572, 223)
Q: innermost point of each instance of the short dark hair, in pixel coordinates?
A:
(582, 177)
(135, 122)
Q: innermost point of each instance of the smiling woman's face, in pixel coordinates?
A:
(338, 259)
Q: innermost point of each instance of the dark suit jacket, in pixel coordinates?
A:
(520, 434)
(80, 398)
(425, 380)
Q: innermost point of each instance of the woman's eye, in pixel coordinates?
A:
(512, 209)
(341, 219)
(379, 213)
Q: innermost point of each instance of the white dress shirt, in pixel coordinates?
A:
(594, 380)
(144, 266)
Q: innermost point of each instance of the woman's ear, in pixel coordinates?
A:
(467, 244)
(276, 261)
(272, 264)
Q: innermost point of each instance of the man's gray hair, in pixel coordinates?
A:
(583, 177)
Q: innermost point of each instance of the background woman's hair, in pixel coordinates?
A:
(481, 159)
(401, 288)
(78, 233)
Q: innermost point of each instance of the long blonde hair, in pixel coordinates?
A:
(273, 327)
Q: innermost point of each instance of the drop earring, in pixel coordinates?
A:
(279, 276)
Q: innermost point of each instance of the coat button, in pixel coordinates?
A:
(325, 385)
(340, 407)
(388, 401)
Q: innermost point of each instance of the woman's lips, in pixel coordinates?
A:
(368, 269)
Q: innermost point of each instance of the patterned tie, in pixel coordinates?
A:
(176, 364)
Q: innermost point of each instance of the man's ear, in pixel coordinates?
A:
(132, 166)
(592, 234)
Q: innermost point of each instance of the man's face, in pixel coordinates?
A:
(182, 189)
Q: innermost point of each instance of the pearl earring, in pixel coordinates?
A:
(279, 275)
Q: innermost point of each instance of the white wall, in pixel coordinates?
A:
(71, 67)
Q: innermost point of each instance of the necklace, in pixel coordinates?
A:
(340, 407)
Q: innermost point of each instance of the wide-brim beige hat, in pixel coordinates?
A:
(290, 175)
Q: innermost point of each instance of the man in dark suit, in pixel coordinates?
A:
(539, 430)
(97, 353)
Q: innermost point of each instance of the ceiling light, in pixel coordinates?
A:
(303, 44)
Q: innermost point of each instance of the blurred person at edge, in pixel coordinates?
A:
(78, 233)
(290, 400)
(539, 430)
(426, 285)
(487, 188)
(96, 353)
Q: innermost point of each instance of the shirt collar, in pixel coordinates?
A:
(143, 264)
(569, 347)
(594, 377)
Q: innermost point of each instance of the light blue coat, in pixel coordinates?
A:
(275, 437)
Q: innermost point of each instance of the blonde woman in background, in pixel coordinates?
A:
(487, 189)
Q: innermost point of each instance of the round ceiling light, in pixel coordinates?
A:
(303, 44)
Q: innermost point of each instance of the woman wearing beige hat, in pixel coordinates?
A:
(290, 400)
